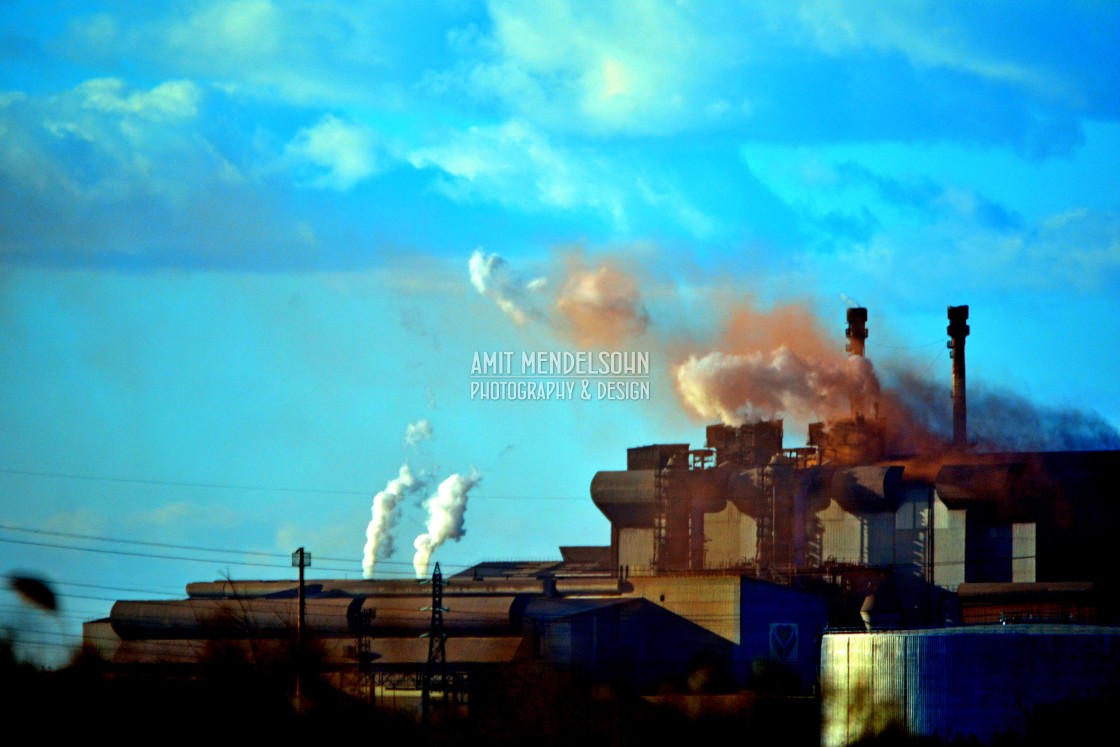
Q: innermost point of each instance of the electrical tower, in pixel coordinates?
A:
(363, 653)
(435, 672)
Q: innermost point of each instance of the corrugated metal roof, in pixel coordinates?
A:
(1022, 589)
(1040, 629)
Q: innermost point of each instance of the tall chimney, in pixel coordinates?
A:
(856, 331)
(857, 335)
(958, 331)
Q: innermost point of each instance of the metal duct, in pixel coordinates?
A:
(627, 499)
(276, 618)
(869, 488)
(230, 618)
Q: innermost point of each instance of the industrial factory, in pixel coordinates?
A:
(947, 593)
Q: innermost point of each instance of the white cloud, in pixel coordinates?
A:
(516, 166)
(239, 29)
(106, 139)
(339, 154)
(929, 35)
(1079, 248)
(110, 167)
(176, 99)
(298, 50)
(1074, 251)
(78, 521)
(615, 67)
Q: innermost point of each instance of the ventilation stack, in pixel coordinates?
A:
(856, 331)
(958, 330)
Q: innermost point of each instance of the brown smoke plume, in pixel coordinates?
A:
(594, 305)
(773, 363)
(741, 388)
(600, 305)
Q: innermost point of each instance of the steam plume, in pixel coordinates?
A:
(445, 518)
(740, 388)
(492, 277)
(379, 537)
(416, 432)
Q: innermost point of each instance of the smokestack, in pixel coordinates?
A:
(958, 331)
(856, 331)
(856, 347)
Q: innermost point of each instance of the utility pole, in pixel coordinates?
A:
(302, 560)
(437, 656)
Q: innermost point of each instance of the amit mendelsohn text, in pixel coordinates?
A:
(563, 363)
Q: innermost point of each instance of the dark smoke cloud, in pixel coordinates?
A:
(1000, 420)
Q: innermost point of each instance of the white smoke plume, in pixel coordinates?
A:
(743, 388)
(416, 432)
(492, 277)
(379, 533)
(446, 510)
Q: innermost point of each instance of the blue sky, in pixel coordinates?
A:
(235, 238)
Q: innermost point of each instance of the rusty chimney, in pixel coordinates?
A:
(857, 335)
(958, 331)
(856, 331)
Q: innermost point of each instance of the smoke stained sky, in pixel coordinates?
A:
(235, 237)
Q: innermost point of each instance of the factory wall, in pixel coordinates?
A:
(634, 642)
(781, 626)
(948, 546)
(860, 539)
(635, 549)
(712, 602)
(763, 623)
(962, 683)
(1024, 551)
(730, 538)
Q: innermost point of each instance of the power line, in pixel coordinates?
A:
(137, 554)
(179, 484)
(145, 543)
(169, 546)
(256, 488)
(114, 588)
(158, 556)
(908, 347)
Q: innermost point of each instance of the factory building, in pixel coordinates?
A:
(913, 532)
(646, 634)
(746, 553)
